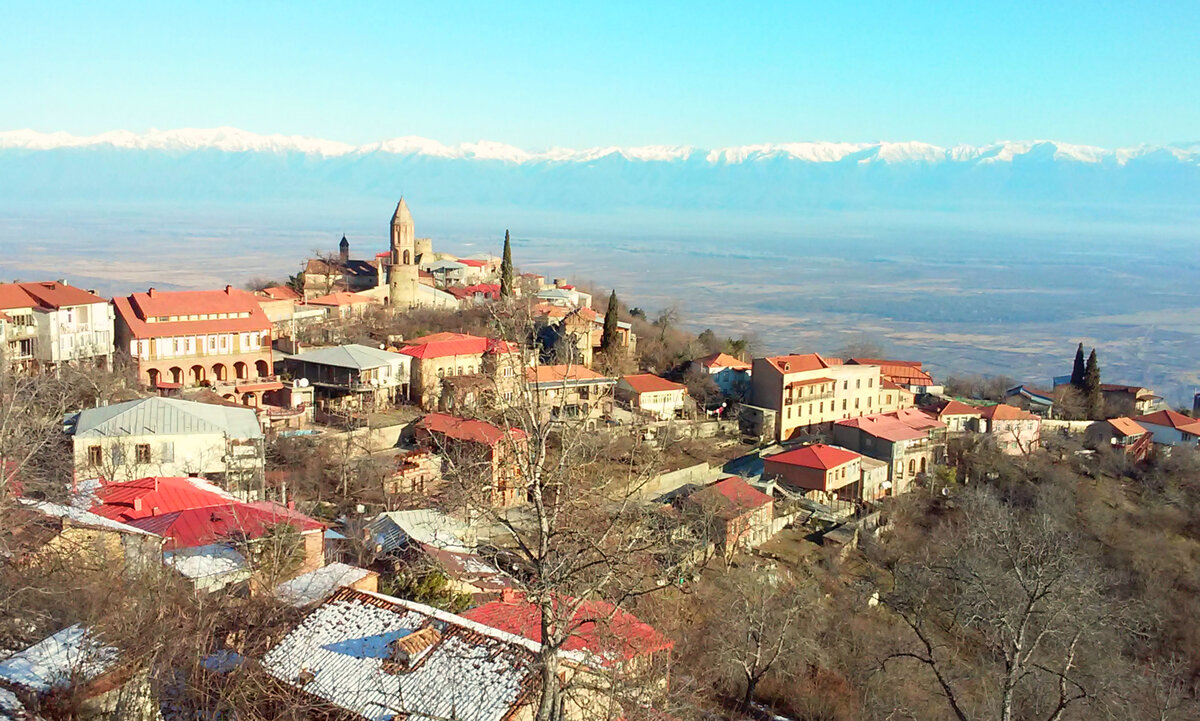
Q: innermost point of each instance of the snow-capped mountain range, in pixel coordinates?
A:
(234, 140)
(227, 165)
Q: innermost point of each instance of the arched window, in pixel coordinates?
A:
(407, 258)
(922, 465)
(912, 467)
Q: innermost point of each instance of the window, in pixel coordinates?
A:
(118, 455)
(870, 383)
(858, 382)
(441, 372)
(843, 404)
(845, 385)
(821, 407)
(168, 452)
(94, 455)
(856, 403)
(868, 401)
(142, 452)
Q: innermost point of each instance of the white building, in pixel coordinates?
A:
(168, 437)
(658, 397)
(48, 323)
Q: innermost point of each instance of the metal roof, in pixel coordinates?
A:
(358, 357)
(166, 416)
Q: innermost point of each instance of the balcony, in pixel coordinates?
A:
(795, 400)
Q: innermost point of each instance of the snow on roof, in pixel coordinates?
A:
(433, 528)
(317, 584)
(166, 416)
(215, 559)
(80, 517)
(57, 661)
(470, 672)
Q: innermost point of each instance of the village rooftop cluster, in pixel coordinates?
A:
(177, 475)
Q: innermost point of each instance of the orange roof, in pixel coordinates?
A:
(1005, 412)
(463, 429)
(135, 309)
(44, 294)
(280, 292)
(723, 360)
(1171, 419)
(957, 408)
(799, 363)
(340, 299)
(818, 455)
(442, 345)
(559, 373)
(902, 425)
(650, 383)
(901, 371)
(1126, 426)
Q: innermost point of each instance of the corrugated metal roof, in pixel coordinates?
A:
(354, 355)
(166, 416)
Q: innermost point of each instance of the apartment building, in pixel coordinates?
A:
(808, 393)
(443, 360)
(218, 338)
(48, 323)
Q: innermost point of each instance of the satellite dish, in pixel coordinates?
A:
(303, 383)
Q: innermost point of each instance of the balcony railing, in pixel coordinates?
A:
(809, 398)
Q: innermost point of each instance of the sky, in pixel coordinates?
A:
(546, 74)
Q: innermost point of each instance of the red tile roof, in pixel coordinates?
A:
(900, 371)
(819, 456)
(44, 294)
(611, 634)
(463, 429)
(473, 263)
(135, 309)
(1005, 412)
(723, 360)
(902, 425)
(558, 373)
(650, 383)
(190, 512)
(442, 345)
(1126, 426)
(732, 497)
(1171, 419)
(489, 290)
(957, 408)
(280, 292)
(798, 363)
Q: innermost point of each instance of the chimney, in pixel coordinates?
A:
(291, 505)
(154, 511)
(150, 292)
(137, 504)
(508, 595)
(229, 290)
(61, 281)
(404, 652)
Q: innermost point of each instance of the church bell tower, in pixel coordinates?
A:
(402, 270)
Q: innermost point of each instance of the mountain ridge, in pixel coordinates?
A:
(234, 140)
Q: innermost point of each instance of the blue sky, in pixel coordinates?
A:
(569, 74)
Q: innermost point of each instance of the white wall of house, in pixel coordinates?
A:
(75, 333)
(123, 458)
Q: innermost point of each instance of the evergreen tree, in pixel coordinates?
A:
(1078, 371)
(608, 340)
(506, 269)
(1091, 387)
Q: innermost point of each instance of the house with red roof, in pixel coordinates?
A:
(209, 536)
(218, 338)
(607, 636)
(1015, 431)
(1123, 435)
(652, 395)
(908, 441)
(1171, 428)
(569, 392)
(472, 295)
(958, 416)
(807, 393)
(48, 323)
(477, 450)
(732, 375)
(1132, 399)
(737, 514)
(446, 356)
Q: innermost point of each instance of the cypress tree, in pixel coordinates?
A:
(608, 339)
(1077, 372)
(1091, 387)
(506, 269)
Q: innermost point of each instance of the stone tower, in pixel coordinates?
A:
(344, 250)
(402, 270)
